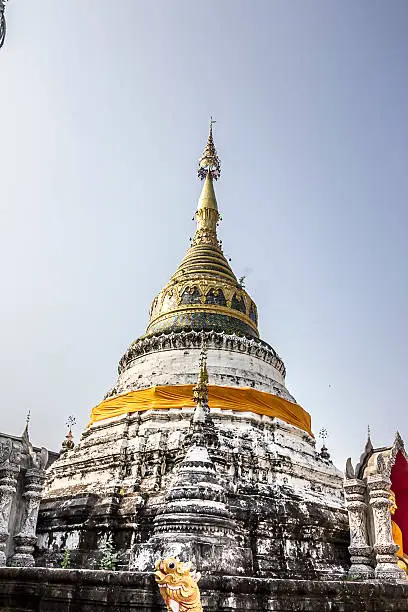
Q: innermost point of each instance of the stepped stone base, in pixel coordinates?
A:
(279, 511)
(51, 590)
(285, 499)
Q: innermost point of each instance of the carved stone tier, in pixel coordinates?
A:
(387, 564)
(360, 550)
(194, 340)
(26, 538)
(171, 359)
(8, 483)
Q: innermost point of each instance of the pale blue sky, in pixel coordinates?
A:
(104, 112)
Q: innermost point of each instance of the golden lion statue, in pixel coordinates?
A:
(178, 586)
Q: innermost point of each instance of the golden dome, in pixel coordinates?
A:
(204, 293)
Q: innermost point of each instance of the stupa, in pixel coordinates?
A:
(199, 450)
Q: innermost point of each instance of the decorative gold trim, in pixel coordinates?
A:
(201, 271)
(204, 284)
(206, 307)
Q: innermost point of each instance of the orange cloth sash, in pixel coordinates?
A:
(240, 399)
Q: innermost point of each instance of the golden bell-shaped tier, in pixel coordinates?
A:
(204, 293)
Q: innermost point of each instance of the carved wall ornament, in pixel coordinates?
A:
(25, 466)
(26, 538)
(8, 484)
(367, 493)
(381, 467)
(5, 449)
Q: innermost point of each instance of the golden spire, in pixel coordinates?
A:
(201, 416)
(200, 391)
(207, 197)
(209, 162)
(207, 214)
(204, 292)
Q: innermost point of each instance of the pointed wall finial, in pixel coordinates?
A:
(209, 161)
(25, 435)
(368, 432)
(324, 451)
(68, 443)
(398, 440)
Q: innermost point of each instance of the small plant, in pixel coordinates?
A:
(241, 282)
(66, 562)
(109, 557)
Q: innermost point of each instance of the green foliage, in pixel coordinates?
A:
(109, 557)
(348, 578)
(66, 562)
(241, 282)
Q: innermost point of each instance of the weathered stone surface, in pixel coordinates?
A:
(50, 590)
(283, 498)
